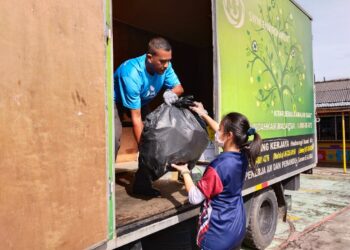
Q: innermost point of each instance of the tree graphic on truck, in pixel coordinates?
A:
(276, 60)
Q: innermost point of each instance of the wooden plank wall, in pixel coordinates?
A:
(52, 124)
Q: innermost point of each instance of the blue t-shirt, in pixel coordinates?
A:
(134, 86)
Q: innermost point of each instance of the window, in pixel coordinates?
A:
(327, 128)
(339, 131)
(330, 128)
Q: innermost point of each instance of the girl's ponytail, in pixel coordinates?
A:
(239, 125)
(254, 150)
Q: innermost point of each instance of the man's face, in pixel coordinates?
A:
(159, 61)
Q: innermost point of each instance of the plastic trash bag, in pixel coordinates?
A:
(172, 134)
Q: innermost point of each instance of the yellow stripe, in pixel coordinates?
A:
(293, 217)
(258, 187)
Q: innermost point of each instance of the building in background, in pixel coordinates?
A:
(332, 112)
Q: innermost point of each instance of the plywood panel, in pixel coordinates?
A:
(128, 147)
(180, 20)
(52, 124)
(131, 209)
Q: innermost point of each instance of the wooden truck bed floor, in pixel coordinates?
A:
(133, 212)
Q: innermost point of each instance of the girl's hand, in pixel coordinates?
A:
(199, 109)
(186, 174)
(181, 168)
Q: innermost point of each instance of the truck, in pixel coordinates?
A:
(60, 185)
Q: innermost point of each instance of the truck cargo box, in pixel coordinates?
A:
(60, 184)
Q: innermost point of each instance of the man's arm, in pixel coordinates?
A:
(137, 123)
(178, 89)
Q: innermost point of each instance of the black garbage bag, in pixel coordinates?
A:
(171, 134)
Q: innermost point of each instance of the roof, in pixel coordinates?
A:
(335, 93)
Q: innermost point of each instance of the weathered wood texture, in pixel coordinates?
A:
(128, 146)
(133, 209)
(52, 124)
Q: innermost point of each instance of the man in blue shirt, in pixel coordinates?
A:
(136, 82)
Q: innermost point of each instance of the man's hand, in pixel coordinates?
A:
(170, 97)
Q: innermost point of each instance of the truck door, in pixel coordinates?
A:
(53, 146)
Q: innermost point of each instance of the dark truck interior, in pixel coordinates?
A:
(187, 25)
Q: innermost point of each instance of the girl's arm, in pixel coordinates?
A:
(188, 181)
(199, 109)
(195, 196)
(211, 122)
(185, 172)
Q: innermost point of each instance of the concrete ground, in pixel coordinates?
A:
(320, 214)
(319, 217)
(334, 233)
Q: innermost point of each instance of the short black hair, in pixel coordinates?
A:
(158, 43)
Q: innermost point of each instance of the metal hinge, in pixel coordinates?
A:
(110, 189)
(108, 33)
